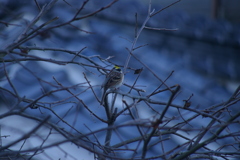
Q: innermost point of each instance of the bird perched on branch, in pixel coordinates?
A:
(113, 80)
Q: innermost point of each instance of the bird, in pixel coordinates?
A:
(113, 80)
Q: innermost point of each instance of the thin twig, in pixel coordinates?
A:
(157, 122)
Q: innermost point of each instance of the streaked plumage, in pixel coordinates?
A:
(113, 80)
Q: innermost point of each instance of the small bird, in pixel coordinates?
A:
(113, 80)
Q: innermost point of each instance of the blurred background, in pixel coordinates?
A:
(203, 52)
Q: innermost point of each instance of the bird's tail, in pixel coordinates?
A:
(103, 96)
